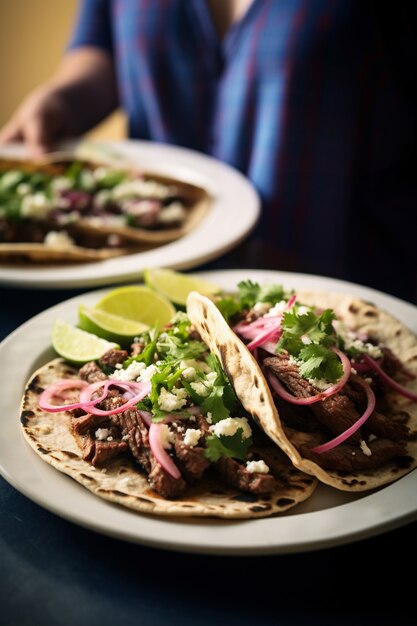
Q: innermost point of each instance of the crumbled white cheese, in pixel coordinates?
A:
(23, 189)
(167, 436)
(192, 436)
(200, 388)
(102, 197)
(230, 425)
(61, 183)
(174, 212)
(132, 372)
(189, 374)
(303, 310)
(209, 418)
(141, 189)
(58, 239)
(172, 400)
(261, 307)
(365, 448)
(195, 363)
(353, 341)
(277, 309)
(35, 205)
(319, 383)
(257, 467)
(102, 434)
(137, 371)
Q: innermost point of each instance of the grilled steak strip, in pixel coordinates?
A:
(337, 413)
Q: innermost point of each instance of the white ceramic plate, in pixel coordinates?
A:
(328, 518)
(232, 216)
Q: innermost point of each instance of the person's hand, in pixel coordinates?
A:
(40, 121)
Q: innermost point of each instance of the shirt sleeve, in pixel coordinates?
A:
(92, 25)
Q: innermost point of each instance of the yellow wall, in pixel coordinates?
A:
(33, 35)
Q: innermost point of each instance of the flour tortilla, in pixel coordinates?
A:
(254, 393)
(197, 200)
(123, 483)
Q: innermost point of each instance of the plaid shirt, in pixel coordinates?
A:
(303, 97)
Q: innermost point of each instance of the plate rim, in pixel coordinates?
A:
(233, 195)
(368, 515)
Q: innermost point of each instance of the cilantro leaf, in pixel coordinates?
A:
(234, 446)
(320, 362)
(229, 395)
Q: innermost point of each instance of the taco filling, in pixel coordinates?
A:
(340, 376)
(166, 414)
(77, 203)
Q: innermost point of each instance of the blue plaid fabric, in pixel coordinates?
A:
(310, 99)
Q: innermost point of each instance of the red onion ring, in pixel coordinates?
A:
(330, 391)
(387, 379)
(159, 452)
(142, 389)
(371, 401)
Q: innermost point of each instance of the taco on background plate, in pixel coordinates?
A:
(332, 378)
(67, 207)
(159, 429)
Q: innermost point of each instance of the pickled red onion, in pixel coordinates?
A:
(159, 452)
(387, 379)
(371, 401)
(55, 389)
(86, 402)
(330, 391)
(142, 389)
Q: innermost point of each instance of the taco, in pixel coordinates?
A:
(159, 430)
(333, 379)
(66, 207)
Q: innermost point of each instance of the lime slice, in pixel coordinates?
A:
(138, 303)
(77, 345)
(176, 286)
(109, 326)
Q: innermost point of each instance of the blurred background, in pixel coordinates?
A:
(33, 36)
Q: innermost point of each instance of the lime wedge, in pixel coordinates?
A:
(138, 303)
(77, 345)
(176, 286)
(109, 326)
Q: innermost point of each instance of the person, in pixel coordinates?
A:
(313, 101)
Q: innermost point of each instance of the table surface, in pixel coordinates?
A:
(53, 572)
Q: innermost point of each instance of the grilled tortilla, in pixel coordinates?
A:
(92, 234)
(274, 415)
(122, 480)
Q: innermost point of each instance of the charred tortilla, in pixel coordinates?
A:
(274, 416)
(123, 481)
(162, 210)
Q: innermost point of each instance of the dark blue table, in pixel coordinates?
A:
(55, 573)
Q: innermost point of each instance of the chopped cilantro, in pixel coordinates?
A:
(235, 446)
(309, 338)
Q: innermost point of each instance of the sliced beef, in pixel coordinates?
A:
(87, 421)
(135, 431)
(104, 451)
(336, 414)
(191, 459)
(91, 372)
(349, 458)
(234, 473)
(113, 357)
(164, 484)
